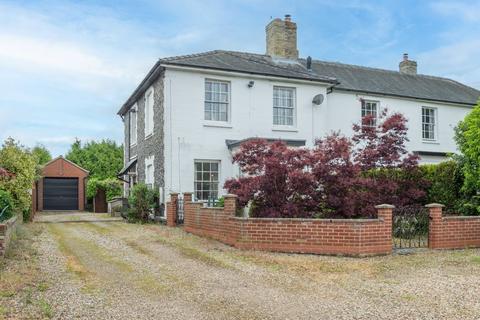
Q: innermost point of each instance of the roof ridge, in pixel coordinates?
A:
(384, 70)
(192, 55)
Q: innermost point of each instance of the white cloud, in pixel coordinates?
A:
(468, 11)
(55, 56)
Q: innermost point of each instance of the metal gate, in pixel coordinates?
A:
(410, 227)
(180, 211)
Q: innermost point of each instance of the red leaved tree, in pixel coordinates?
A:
(339, 177)
(274, 178)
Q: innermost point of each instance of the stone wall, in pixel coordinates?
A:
(7, 228)
(153, 145)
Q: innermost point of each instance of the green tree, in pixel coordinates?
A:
(41, 153)
(104, 159)
(467, 136)
(18, 160)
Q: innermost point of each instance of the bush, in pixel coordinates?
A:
(142, 203)
(6, 205)
(446, 181)
(111, 186)
(18, 160)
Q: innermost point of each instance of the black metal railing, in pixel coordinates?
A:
(180, 210)
(410, 227)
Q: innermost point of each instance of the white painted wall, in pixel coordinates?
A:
(188, 137)
(345, 109)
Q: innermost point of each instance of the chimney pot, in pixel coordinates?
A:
(405, 57)
(288, 17)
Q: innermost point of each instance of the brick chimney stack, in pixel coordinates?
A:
(408, 66)
(282, 38)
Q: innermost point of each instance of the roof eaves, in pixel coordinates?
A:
(470, 104)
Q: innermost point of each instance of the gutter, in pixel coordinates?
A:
(403, 96)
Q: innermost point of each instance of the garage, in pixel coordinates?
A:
(61, 187)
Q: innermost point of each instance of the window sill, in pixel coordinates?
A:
(430, 141)
(285, 129)
(148, 135)
(217, 124)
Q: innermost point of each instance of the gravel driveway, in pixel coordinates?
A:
(114, 270)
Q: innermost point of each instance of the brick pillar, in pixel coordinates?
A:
(172, 210)
(230, 204)
(435, 225)
(187, 197)
(385, 212)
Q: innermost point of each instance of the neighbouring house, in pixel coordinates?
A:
(61, 186)
(190, 113)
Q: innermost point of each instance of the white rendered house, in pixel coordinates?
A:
(190, 113)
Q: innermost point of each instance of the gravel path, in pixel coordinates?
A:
(114, 270)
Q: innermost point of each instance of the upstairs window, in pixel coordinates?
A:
(149, 113)
(429, 123)
(206, 179)
(283, 106)
(370, 108)
(133, 125)
(217, 99)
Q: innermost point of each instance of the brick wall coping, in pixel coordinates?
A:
(210, 208)
(434, 205)
(9, 222)
(280, 220)
(460, 217)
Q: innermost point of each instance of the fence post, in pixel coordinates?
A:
(172, 210)
(230, 204)
(385, 212)
(435, 211)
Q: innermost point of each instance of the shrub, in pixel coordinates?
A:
(446, 181)
(23, 166)
(111, 186)
(142, 202)
(7, 205)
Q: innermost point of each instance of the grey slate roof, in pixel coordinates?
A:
(341, 76)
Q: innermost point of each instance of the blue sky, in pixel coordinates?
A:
(67, 66)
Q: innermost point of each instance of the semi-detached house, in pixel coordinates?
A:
(190, 113)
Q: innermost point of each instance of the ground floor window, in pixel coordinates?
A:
(207, 173)
(149, 172)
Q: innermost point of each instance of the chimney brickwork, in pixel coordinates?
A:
(408, 66)
(282, 38)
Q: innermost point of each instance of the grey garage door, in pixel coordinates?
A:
(60, 194)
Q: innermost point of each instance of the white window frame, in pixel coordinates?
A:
(150, 179)
(195, 180)
(434, 131)
(228, 103)
(149, 112)
(363, 112)
(133, 110)
(294, 108)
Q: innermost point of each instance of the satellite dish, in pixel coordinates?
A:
(318, 99)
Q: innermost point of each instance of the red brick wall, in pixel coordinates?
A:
(354, 237)
(61, 168)
(452, 232)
